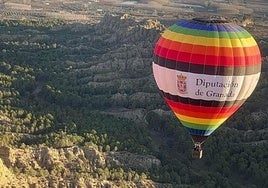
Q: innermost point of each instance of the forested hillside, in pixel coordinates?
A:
(84, 87)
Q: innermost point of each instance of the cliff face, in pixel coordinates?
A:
(50, 167)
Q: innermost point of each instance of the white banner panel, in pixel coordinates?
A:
(203, 86)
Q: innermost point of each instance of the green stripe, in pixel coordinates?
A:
(199, 126)
(209, 34)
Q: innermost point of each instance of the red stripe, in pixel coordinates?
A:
(203, 59)
(177, 106)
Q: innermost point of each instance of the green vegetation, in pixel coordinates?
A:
(58, 81)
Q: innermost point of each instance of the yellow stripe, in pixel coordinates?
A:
(214, 122)
(222, 42)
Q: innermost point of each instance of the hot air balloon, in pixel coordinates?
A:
(205, 69)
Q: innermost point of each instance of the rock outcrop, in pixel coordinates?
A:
(8, 178)
(73, 166)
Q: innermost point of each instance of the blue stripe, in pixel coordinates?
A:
(199, 132)
(219, 27)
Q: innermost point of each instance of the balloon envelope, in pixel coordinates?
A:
(206, 69)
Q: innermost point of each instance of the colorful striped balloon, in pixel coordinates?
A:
(206, 69)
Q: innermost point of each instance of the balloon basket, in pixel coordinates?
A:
(197, 151)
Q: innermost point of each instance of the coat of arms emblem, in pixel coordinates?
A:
(181, 84)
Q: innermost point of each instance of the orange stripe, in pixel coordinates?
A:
(205, 115)
(208, 50)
